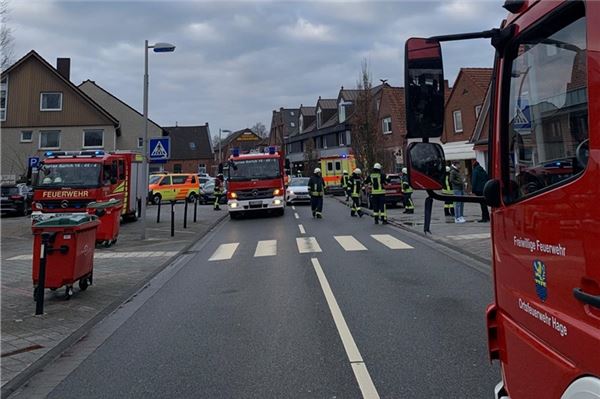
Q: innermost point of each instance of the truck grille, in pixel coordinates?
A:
(65, 204)
(256, 193)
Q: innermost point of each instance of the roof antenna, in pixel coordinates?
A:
(175, 123)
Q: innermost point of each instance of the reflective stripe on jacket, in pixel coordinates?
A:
(376, 184)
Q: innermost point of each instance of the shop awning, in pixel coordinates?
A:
(458, 150)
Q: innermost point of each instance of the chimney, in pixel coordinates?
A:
(63, 66)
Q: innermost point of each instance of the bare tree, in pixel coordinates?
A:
(260, 129)
(366, 143)
(311, 157)
(6, 37)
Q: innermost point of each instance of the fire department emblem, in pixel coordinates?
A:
(64, 204)
(539, 276)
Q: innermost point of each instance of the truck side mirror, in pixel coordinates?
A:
(426, 166)
(424, 92)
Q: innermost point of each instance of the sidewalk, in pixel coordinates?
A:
(28, 341)
(470, 238)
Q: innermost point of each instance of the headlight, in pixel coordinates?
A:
(277, 191)
(290, 192)
(232, 195)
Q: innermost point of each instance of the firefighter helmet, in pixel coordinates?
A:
(377, 166)
(404, 170)
(357, 171)
(317, 170)
(345, 172)
(447, 168)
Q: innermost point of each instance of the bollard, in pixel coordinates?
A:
(39, 291)
(185, 208)
(158, 211)
(172, 218)
(195, 207)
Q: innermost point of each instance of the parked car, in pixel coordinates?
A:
(173, 187)
(204, 179)
(207, 193)
(393, 192)
(16, 199)
(297, 190)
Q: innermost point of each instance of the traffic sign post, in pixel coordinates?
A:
(159, 149)
(33, 162)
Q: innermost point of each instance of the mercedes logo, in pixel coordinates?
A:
(64, 204)
(254, 193)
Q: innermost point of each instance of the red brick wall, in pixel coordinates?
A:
(392, 105)
(466, 95)
(189, 165)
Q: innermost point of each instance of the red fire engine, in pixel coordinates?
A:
(544, 167)
(68, 181)
(256, 182)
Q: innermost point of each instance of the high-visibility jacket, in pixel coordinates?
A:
(316, 186)
(377, 180)
(355, 184)
(406, 188)
(345, 179)
(447, 189)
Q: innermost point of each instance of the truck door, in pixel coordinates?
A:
(546, 234)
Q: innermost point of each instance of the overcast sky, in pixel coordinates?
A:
(237, 61)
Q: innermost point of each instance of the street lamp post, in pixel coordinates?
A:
(222, 131)
(158, 48)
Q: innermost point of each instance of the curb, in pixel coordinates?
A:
(430, 236)
(24, 376)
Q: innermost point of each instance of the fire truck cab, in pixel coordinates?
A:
(68, 181)
(255, 182)
(544, 188)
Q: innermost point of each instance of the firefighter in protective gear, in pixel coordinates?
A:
(376, 180)
(409, 206)
(219, 185)
(316, 188)
(355, 185)
(447, 189)
(344, 183)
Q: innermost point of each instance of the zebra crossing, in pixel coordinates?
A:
(266, 248)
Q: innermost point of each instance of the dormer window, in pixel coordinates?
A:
(319, 120)
(342, 110)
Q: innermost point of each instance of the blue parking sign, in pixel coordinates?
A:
(159, 149)
(33, 162)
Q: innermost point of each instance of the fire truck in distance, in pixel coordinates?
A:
(544, 165)
(255, 182)
(68, 181)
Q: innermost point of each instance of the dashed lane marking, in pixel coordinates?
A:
(307, 245)
(301, 228)
(224, 252)
(350, 243)
(266, 248)
(296, 215)
(109, 255)
(391, 242)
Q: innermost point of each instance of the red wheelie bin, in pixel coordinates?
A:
(69, 252)
(109, 213)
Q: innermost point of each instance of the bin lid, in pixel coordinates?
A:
(71, 220)
(104, 204)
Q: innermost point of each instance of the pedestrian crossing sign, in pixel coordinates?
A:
(159, 149)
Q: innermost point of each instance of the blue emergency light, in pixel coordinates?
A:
(344, 156)
(271, 150)
(48, 153)
(236, 152)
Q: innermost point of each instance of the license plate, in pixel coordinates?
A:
(255, 203)
(390, 191)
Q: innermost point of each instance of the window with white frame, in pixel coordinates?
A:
(319, 120)
(51, 101)
(477, 111)
(387, 125)
(457, 116)
(140, 142)
(342, 110)
(26, 136)
(301, 123)
(49, 139)
(3, 97)
(93, 138)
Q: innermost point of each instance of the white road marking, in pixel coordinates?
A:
(302, 231)
(359, 368)
(350, 243)
(469, 236)
(296, 215)
(307, 244)
(293, 207)
(224, 252)
(391, 242)
(109, 255)
(266, 248)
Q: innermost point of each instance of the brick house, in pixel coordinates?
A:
(244, 139)
(283, 123)
(191, 150)
(391, 117)
(42, 110)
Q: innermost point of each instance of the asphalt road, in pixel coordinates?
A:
(377, 311)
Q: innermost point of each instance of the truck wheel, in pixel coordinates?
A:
(192, 197)
(83, 284)
(156, 198)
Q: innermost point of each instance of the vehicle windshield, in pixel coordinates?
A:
(299, 181)
(6, 191)
(80, 174)
(154, 179)
(246, 169)
(394, 179)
